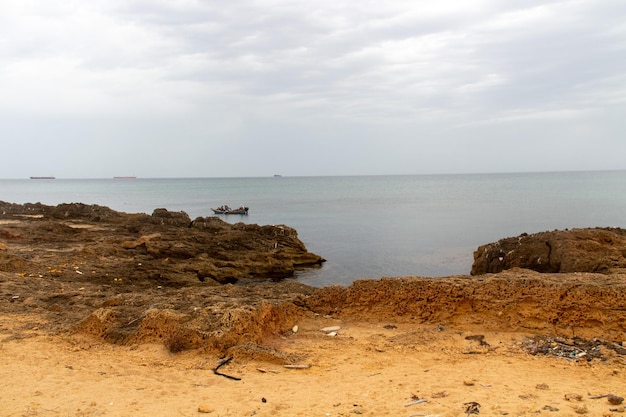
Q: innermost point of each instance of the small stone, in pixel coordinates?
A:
(542, 386)
(614, 399)
(549, 408)
(468, 383)
(573, 397)
(581, 409)
(205, 409)
(295, 329)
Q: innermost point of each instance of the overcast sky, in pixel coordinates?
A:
(184, 88)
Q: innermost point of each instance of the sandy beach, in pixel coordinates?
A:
(368, 368)
(105, 314)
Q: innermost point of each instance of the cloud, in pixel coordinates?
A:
(413, 73)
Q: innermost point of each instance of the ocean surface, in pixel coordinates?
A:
(369, 226)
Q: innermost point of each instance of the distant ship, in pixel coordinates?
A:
(125, 177)
(277, 175)
(43, 178)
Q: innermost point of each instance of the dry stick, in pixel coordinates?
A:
(297, 366)
(418, 401)
(222, 363)
(267, 370)
(141, 316)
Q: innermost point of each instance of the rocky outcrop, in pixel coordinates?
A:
(577, 250)
(166, 248)
(584, 305)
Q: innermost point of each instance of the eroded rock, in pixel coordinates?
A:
(139, 248)
(577, 250)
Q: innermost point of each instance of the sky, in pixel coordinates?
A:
(238, 88)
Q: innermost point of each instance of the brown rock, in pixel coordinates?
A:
(164, 247)
(577, 250)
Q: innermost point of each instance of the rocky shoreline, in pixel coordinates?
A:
(137, 278)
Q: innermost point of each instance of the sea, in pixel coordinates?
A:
(368, 226)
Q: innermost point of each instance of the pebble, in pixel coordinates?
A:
(205, 409)
(295, 329)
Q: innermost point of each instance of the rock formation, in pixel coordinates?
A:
(165, 247)
(577, 250)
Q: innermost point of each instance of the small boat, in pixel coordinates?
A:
(228, 210)
(43, 178)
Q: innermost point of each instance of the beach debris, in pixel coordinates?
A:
(575, 349)
(142, 315)
(573, 397)
(390, 326)
(331, 334)
(423, 415)
(415, 400)
(440, 394)
(611, 398)
(542, 386)
(471, 407)
(468, 383)
(296, 366)
(265, 371)
(330, 329)
(222, 363)
(480, 338)
(581, 409)
(619, 409)
(549, 408)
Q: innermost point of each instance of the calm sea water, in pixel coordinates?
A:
(369, 226)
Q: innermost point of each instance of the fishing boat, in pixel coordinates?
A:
(228, 210)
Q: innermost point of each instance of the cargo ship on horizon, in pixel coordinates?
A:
(43, 178)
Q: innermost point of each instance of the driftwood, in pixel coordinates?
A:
(222, 363)
(297, 366)
(612, 398)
